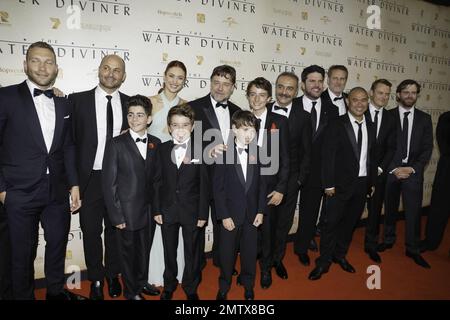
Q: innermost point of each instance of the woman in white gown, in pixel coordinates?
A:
(174, 80)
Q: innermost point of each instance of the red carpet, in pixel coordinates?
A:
(401, 278)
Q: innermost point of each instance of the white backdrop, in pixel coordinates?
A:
(258, 38)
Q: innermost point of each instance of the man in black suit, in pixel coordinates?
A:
(334, 95)
(348, 171)
(214, 112)
(414, 135)
(311, 195)
(439, 208)
(299, 162)
(273, 139)
(240, 198)
(37, 172)
(184, 196)
(385, 143)
(5, 257)
(129, 174)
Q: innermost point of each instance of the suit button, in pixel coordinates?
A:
(177, 191)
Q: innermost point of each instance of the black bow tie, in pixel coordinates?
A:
(143, 140)
(242, 149)
(285, 109)
(220, 104)
(338, 98)
(182, 145)
(48, 93)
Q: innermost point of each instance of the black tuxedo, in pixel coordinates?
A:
(32, 195)
(439, 208)
(278, 181)
(340, 169)
(183, 199)
(240, 199)
(326, 99)
(5, 257)
(93, 213)
(204, 112)
(311, 195)
(128, 189)
(385, 144)
(300, 137)
(420, 148)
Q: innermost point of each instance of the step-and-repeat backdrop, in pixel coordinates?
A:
(395, 39)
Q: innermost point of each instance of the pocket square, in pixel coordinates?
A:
(195, 160)
(67, 117)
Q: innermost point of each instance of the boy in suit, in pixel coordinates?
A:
(183, 201)
(129, 175)
(240, 198)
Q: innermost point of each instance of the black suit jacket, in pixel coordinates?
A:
(85, 131)
(340, 162)
(24, 158)
(421, 144)
(327, 114)
(236, 197)
(385, 142)
(182, 193)
(128, 181)
(326, 99)
(299, 141)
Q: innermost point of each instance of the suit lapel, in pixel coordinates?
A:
(91, 117)
(238, 168)
(123, 103)
(351, 135)
(59, 123)
(187, 157)
(250, 169)
(131, 145)
(210, 114)
(322, 121)
(150, 150)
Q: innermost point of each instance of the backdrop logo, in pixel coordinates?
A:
(197, 41)
(4, 18)
(243, 6)
(388, 5)
(432, 31)
(201, 18)
(435, 86)
(330, 5)
(428, 58)
(302, 35)
(374, 64)
(55, 23)
(377, 34)
(111, 7)
(230, 21)
(279, 67)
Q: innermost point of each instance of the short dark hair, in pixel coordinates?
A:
(142, 101)
(287, 74)
(408, 82)
(260, 83)
(40, 44)
(184, 110)
(337, 67)
(380, 81)
(225, 71)
(311, 69)
(244, 118)
(357, 89)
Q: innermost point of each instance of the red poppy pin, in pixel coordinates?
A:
(273, 128)
(252, 158)
(151, 145)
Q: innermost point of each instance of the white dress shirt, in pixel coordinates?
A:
(364, 146)
(263, 118)
(372, 110)
(223, 116)
(282, 112)
(101, 113)
(180, 153)
(410, 118)
(243, 158)
(339, 103)
(140, 145)
(307, 105)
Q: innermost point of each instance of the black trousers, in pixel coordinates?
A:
(374, 206)
(24, 211)
(311, 198)
(93, 215)
(5, 257)
(245, 237)
(343, 212)
(133, 246)
(411, 190)
(192, 270)
(266, 235)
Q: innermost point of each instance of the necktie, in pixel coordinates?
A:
(359, 138)
(109, 119)
(314, 116)
(182, 145)
(338, 98)
(258, 124)
(48, 93)
(242, 149)
(405, 135)
(220, 104)
(375, 122)
(143, 140)
(285, 109)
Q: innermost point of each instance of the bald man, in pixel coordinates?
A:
(348, 173)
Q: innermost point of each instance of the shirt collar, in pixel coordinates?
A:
(185, 141)
(99, 91)
(239, 145)
(332, 95)
(372, 108)
(288, 106)
(214, 102)
(353, 119)
(403, 109)
(263, 115)
(310, 101)
(134, 135)
(31, 86)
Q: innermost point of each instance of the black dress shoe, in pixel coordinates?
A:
(423, 246)
(345, 265)
(150, 290)
(96, 291)
(137, 297)
(166, 295)
(65, 295)
(221, 295)
(266, 279)
(280, 270)
(114, 287)
(418, 259)
(317, 273)
(384, 246)
(304, 259)
(235, 272)
(373, 255)
(192, 296)
(313, 245)
(249, 294)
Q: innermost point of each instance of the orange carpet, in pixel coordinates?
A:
(400, 277)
